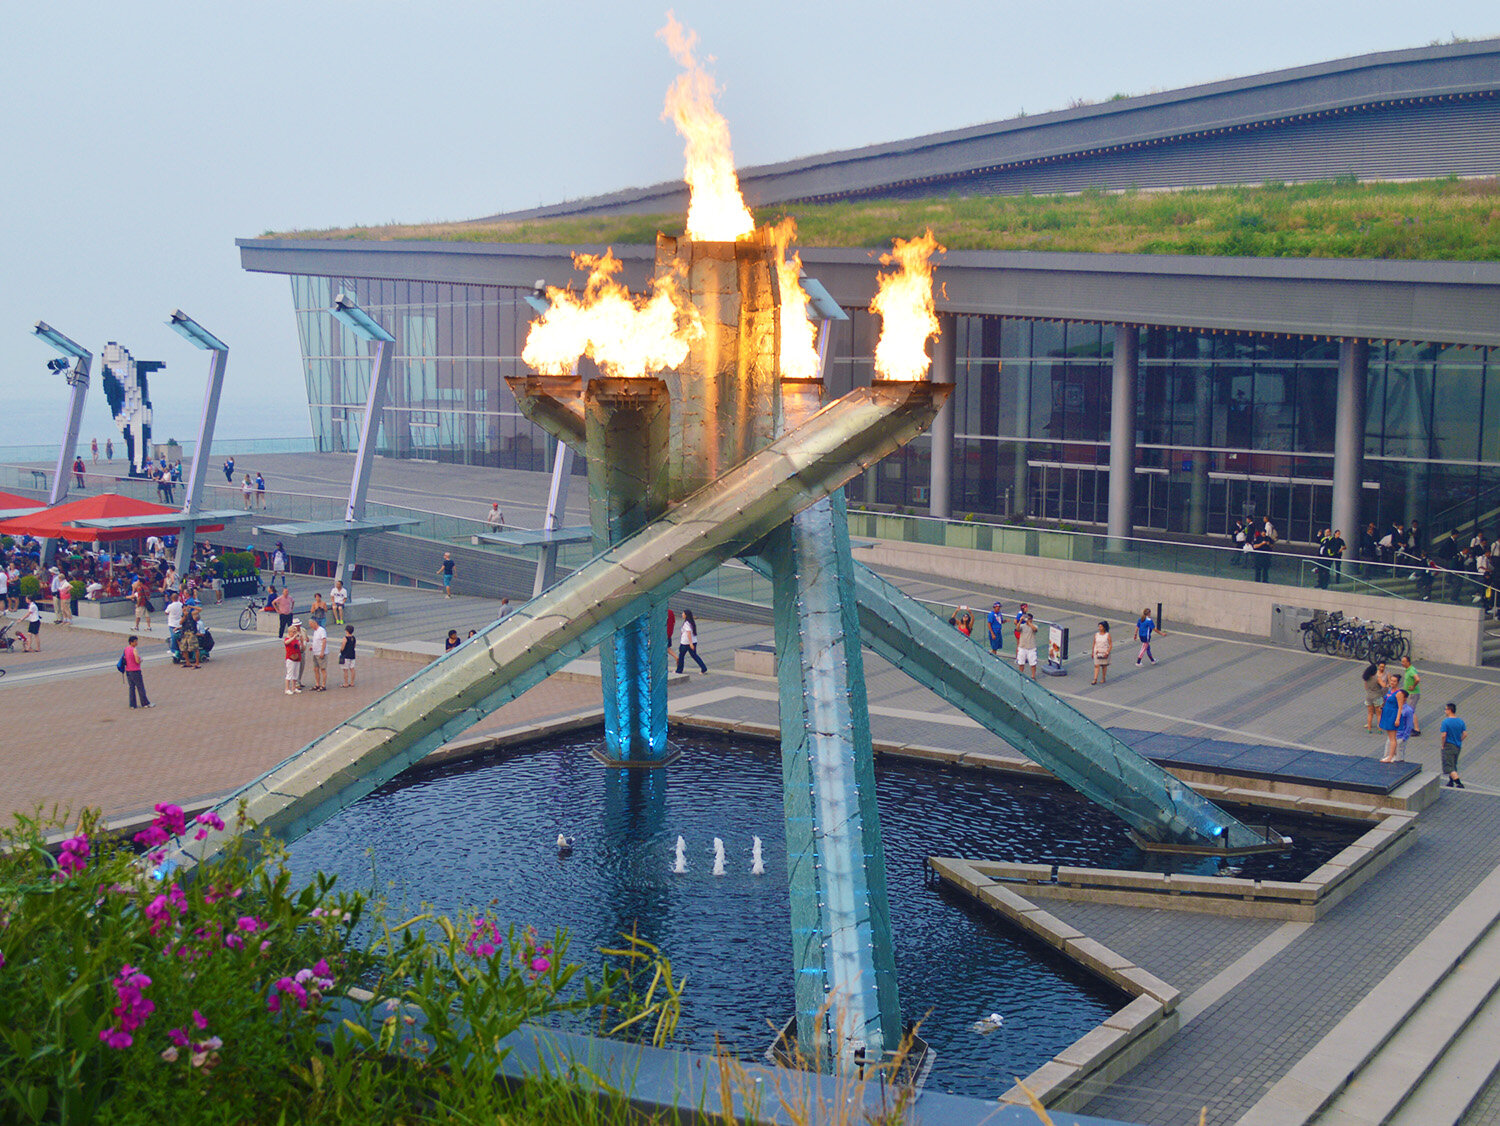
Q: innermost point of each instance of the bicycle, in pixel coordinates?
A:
(250, 613)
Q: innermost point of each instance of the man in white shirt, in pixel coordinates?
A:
(174, 620)
(320, 658)
(62, 593)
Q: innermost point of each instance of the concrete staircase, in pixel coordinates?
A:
(1421, 1045)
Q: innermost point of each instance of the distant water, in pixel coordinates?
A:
(484, 832)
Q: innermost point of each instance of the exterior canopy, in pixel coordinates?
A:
(60, 521)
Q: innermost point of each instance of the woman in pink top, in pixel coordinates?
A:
(131, 660)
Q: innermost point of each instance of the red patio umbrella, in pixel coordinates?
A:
(11, 500)
(58, 522)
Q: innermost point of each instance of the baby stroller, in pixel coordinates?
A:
(7, 642)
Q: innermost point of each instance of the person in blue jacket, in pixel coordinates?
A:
(1144, 629)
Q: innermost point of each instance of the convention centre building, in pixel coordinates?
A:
(1158, 393)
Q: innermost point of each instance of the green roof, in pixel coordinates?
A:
(1451, 219)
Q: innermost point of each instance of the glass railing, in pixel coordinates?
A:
(221, 448)
(1386, 580)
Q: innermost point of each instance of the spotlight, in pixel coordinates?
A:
(57, 365)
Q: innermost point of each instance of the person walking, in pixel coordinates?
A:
(446, 570)
(1453, 730)
(996, 623)
(1144, 628)
(78, 470)
(336, 598)
(687, 642)
(346, 657)
(229, 470)
(1336, 548)
(94, 449)
(1411, 684)
(283, 604)
(109, 449)
(260, 491)
(319, 647)
(1373, 679)
(130, 665)
(62, 597)
(292, 644)
(31, 640)
(278, 564)
(495, 518)
(246, 489)
(142, 594)
(1103, 645)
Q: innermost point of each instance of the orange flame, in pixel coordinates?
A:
(799, 352)
(907, 316)
(716, 209)
(624, 335)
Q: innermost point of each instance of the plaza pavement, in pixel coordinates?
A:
(1258, 995)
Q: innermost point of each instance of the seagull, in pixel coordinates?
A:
(564, 845)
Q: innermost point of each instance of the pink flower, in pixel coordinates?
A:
(291, 988)
(169, 1054)
(115, 1038)
(170, 819)
(249, 924)
(178, 1037)
(540, 965)
(74, 856)
(200, 1020)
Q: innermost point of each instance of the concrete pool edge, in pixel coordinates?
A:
(1104, 1053)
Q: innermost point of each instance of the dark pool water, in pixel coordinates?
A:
(485, 831)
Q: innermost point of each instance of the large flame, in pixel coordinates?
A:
(799, 352)
(624, 335)
(907, 316)
(716, 209)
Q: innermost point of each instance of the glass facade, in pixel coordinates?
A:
(1227, 424)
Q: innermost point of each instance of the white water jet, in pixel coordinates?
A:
(681, 866)
(718, 857)
(757, 865)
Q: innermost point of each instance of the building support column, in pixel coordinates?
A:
(364, 457)
(1122, 435)
(1202, 439)
(1349, 439)
(944, 370)
(192, 504)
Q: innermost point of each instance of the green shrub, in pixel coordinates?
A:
(30, 586)
(236, 564)
(78, 587)
(135, 996)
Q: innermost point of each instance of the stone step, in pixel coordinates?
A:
(1315, 1084)
(1421, 1042)
(1456, 1080)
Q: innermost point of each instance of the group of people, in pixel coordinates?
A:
(1103, 645)
(300, 644)
(1391, 702)
(252, 489)
(1255, 537)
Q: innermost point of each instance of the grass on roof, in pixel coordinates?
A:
(1452, 219)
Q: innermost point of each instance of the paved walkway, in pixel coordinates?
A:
(1258, 994)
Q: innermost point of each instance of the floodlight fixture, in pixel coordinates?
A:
(49, 335)
(195, 333)
(366, 327)
(821, 300)
(538, 300)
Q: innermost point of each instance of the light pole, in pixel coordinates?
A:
(78, 382)
(366, 327)
(200, 337)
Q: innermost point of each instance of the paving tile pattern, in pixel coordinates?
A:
(1235, 1051)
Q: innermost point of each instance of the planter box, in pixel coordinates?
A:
(963, 535)
(1061, 545)
(241, 586)
(105, 608)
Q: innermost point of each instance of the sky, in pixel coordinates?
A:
(139, 140)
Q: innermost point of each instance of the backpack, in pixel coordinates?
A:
(120, 664)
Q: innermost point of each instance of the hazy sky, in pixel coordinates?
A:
(140, 139)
